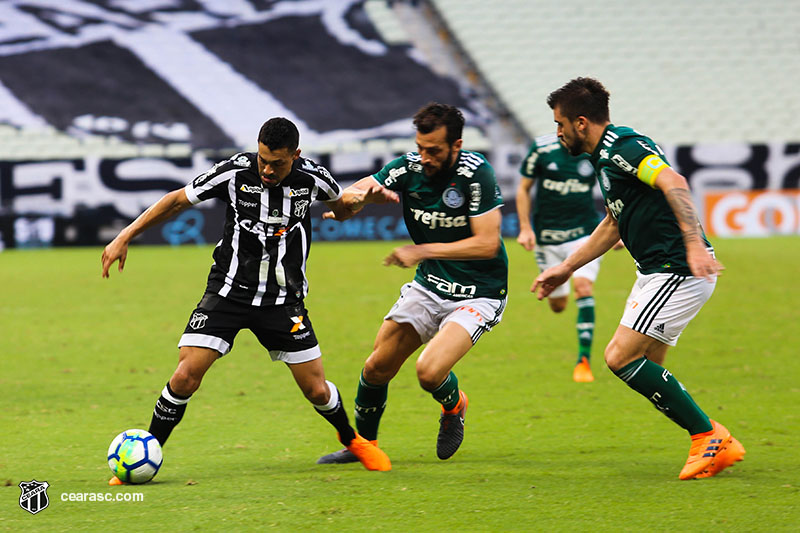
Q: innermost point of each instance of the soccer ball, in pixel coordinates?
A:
(134, 456)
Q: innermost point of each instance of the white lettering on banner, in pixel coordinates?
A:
(753, 214)
(59, 188)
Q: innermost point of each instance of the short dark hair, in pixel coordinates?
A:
(279, 132)
(435, 115)
(582, 97)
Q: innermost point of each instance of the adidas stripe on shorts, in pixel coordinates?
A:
(427, 312)
(661, 305)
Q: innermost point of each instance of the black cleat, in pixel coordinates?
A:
(451, 429)
(343, 456)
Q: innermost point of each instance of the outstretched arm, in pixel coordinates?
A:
(483, 244)
(355, 197)
(604, 236)
(169, 205)
(526, 237)
(676, 190)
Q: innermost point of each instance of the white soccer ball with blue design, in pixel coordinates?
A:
(135, 456)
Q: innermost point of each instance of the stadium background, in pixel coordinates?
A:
(107, 104)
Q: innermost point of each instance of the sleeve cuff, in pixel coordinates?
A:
(191, 195)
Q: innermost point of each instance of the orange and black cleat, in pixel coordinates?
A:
(372, 457)
(727, 456)
(705, 447)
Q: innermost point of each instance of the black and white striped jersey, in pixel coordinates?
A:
(261, 259)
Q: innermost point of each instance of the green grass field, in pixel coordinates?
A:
(84, 358)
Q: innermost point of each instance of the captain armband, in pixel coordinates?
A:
(649, 169)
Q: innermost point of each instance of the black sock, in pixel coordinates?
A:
(336, 415)
(168, 412)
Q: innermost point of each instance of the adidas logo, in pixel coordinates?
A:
(659, 328)
(415, 195)
(552, 166)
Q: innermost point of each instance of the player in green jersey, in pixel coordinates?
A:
(451, 206)
(563, 217)
(650, 207)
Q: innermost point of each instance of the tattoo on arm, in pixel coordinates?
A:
(681, 202)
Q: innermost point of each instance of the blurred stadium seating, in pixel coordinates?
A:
(106, 104)
(685, 72)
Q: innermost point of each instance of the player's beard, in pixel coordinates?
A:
(575, 148)
(446, 164)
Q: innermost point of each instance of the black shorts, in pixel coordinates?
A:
(284, 330)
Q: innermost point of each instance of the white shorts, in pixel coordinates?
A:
(548, 255)
(661, 305)
(428, 313)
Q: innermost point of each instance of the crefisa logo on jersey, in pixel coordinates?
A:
(34, 495)
(198, 320)
(452, 198)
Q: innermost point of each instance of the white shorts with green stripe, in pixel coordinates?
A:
(428, 312)
(661, 305)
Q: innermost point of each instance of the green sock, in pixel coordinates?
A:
(585, 326)
(370, 403)
(658, 385)
(447, 393)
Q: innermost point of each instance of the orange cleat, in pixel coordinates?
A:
(705, 447)
(583, 372)
(341, 456)
(730, 454)
(115, 481)
(372, 457)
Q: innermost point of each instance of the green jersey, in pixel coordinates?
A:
(438, 210)
(627, 165)
(563, 209)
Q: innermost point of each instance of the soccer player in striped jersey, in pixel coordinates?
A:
(258, 279)
(650, 207)
(451, 207)
(563, 217)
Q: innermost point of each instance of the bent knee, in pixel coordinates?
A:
(317, 393)
(429, 377)
(376, 371)
(557, 305)
(184, 381)
(583, 287)
(616, 357)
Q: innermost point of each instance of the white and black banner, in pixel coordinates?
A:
(740, 190)
(209, 72)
